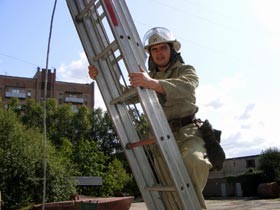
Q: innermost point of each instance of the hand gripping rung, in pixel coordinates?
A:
(125, 96)
(161, 188)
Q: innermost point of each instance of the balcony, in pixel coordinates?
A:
(15, 95)
(74, 100)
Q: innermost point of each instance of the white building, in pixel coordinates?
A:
(217, 184)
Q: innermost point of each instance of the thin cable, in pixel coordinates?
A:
(45, 113)
(18, 59)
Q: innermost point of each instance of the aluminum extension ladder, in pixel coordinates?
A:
(112, 44)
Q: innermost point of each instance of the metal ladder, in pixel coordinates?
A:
(112, 44)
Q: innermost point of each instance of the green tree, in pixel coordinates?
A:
(90, 162)
(116, 178)
(81, 124)
(21, 167)
(60, 127)
(103, 133)
(85, 142)
(14, 106)
(32, 114)
(59, 119)
(270, 164)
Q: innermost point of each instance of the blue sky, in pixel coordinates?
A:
(234, 46)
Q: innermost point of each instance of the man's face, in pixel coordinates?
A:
(161, 54)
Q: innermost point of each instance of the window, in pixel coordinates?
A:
(71, 95)
(75, 108)
(29, 93)
(15, 91)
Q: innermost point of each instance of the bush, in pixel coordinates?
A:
(270, 165)
(116, 178)
(95, 163)
(21, 165)
(249, 182)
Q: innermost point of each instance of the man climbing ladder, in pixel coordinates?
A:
(112, 45)
(175, 84)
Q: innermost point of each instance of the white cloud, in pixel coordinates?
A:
(77, 71)
(219, 97)
(248, 125)
(259, 130)
(267, 14)
(247, 112)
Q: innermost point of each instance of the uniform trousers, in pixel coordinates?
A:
(191, 147)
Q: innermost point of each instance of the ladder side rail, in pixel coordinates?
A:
(143, 174)
(123, 28)
(97, 33)
(105, 67)
(93, 27)
(127, 133)
(168, 147)
(118, 20)
(88, 27)
(159, 124)
(132, 29)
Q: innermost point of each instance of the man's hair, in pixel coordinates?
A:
(174, 56)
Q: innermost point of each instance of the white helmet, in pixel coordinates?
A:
(160, 35)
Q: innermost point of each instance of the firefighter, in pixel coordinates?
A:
(175, 84)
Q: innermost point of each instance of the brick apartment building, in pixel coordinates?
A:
(22, 88)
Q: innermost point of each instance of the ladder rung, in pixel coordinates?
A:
(113, 46)
(161, 188)
(140, 143)
(80, 16)
(117, 59)
(103, 15)
(124, 97)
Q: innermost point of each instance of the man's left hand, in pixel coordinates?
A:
(143, 79)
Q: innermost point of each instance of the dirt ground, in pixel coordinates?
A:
(244, 204)
(230, 204)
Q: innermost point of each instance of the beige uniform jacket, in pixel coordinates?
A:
(179, 82)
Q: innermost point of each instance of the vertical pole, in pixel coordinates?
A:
(45, 114)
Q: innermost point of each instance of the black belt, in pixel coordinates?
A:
(175, 124)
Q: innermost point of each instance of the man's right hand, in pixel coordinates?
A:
(92, 71)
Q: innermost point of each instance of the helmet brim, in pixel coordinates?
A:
(176, 45)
